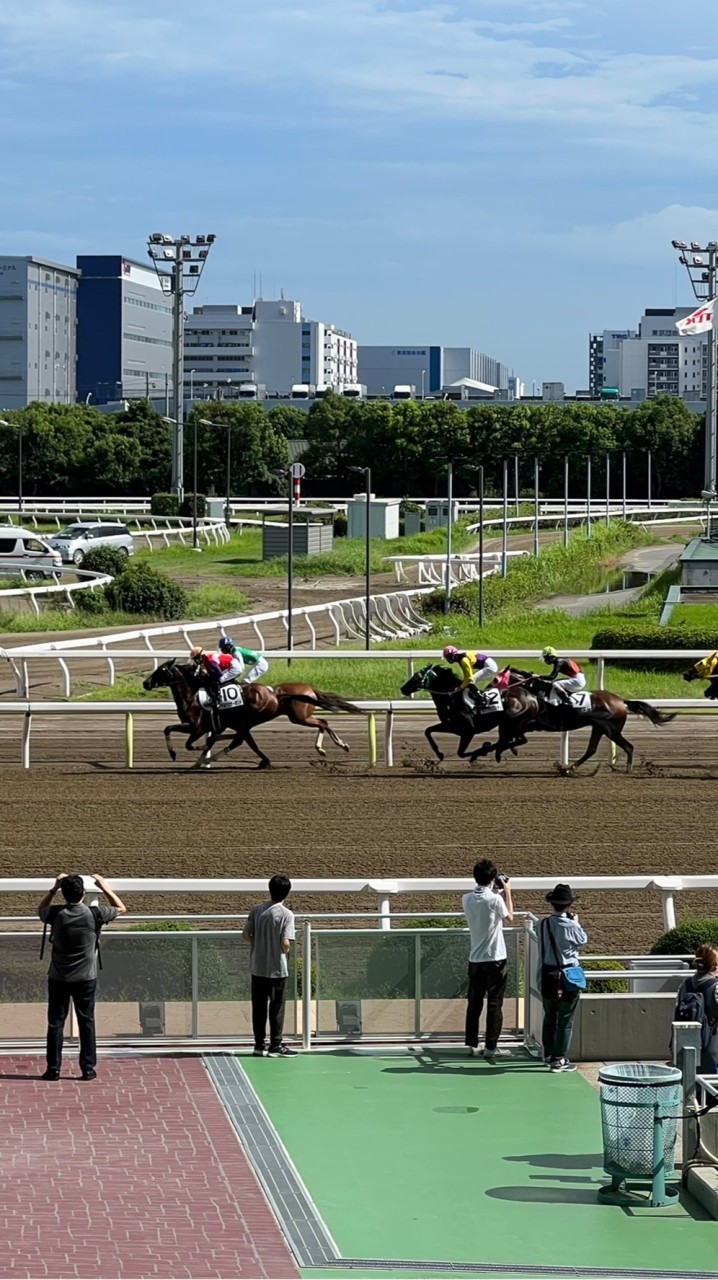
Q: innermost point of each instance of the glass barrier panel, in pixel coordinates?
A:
(443, 957)
(23, 986)
(364, 983)
(145, 987)
(224, 987)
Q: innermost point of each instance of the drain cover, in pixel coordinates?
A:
(456, 1111)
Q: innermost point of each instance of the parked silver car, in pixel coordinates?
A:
(76, 540)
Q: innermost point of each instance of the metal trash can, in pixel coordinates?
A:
(640, 1107)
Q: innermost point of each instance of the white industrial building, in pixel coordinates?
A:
(429, 369)
(270, 345)
(38, 315)
(653, 360)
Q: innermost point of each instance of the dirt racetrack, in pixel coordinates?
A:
(79, 808)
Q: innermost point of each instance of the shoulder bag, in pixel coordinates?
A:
(572, 979)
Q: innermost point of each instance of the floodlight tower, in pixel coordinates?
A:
(179, 263)
(701, 263)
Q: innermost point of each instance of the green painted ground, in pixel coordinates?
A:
(437, 1157)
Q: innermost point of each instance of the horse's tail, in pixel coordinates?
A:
(335, 702)
(650, 713)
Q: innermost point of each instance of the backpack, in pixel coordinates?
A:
(691, 1007)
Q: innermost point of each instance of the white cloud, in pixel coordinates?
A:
(643, 240)
(522, 61)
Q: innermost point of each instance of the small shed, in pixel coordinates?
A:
(310, 535)
(383, 516)
(699, 564)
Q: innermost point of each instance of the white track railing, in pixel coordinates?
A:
(384, 890)
(465, 566)
(161, 531)
(403, 620)
(389, 709)
(639, 515)
(89, 582)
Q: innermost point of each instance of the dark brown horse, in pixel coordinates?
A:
(260, 704)
(525, 710)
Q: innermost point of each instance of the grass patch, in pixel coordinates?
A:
(211, 600)
(242, 556)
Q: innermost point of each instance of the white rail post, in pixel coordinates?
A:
(66, 677)
(385, 910)
(687, 1056)
(25, 679)
(389, 739)
(564, 756)
(307, 985)
(25, 747)
(600, 673)
(668, 886)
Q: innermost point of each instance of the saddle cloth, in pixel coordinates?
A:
(581, 701)
(229, 697)
(491, 699)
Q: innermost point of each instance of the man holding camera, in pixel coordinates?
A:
(72, 976)
(486, 908)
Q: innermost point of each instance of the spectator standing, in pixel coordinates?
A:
(72, 976)
(270, 933)
(704, 983)
(559, 938)
(485, 910)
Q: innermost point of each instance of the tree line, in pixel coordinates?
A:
(75, 451)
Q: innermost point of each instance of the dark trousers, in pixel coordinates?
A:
(487, 981)
(558, 1016)
(268, 997)
(59, 997)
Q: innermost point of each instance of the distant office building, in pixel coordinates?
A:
(653, 360)
(427, 368)
(271, 345)
(37, 332)
(124, 331)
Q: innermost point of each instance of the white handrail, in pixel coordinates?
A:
(68, 589)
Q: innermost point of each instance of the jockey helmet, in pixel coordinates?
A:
(196, 652)
(451, 653)
(226, 644)
(549, 653)
(482, 659)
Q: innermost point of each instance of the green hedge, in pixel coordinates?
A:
(644, 634)
(557, 570)
(165, 504)
(187, 506)
(688, 935)
(141, 589)
(610, 985)
(106, 560)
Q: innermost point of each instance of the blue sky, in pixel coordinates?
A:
(506, 174)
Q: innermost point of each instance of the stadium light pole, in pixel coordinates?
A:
(701, 263)
(195, 539)
(179, 262)
(4, 423)
(206, 422)
(366, 472)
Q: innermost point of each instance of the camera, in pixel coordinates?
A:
(500, 882)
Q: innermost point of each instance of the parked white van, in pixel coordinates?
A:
(23, 554)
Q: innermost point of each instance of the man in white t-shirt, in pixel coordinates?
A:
(486, 909)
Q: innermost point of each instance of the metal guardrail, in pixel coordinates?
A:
(66, 589)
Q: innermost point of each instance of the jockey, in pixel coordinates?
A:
(475, 667)
(566, 676)
(707, 669)
(220, 668)
(258, 665)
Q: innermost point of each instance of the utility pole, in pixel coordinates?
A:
(179, 263)
(701, 263)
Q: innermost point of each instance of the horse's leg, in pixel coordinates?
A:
(264, 761)
(598, 731)
(428, 734)
(616, 736)
(462, 749)
(206, 755)
(175, 728)
(338, 742)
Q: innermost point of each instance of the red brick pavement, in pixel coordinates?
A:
(137, 1174)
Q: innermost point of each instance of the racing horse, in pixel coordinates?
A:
(260, 704)
(606, 713)
(455, 716)
(706, 669)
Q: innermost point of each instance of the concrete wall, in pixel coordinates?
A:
(617, 1027)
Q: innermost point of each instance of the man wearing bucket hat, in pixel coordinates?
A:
(561, 978)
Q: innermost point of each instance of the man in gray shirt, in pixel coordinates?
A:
(270, 933)
(72, 976)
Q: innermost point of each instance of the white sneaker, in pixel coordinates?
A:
(474, 1051)
(498, 1052)
(562, 1064)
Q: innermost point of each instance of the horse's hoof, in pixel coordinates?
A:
(345, 746)
(514, 752)
(264, 764)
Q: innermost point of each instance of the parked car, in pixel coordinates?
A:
(76, 540)
(24, 554)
